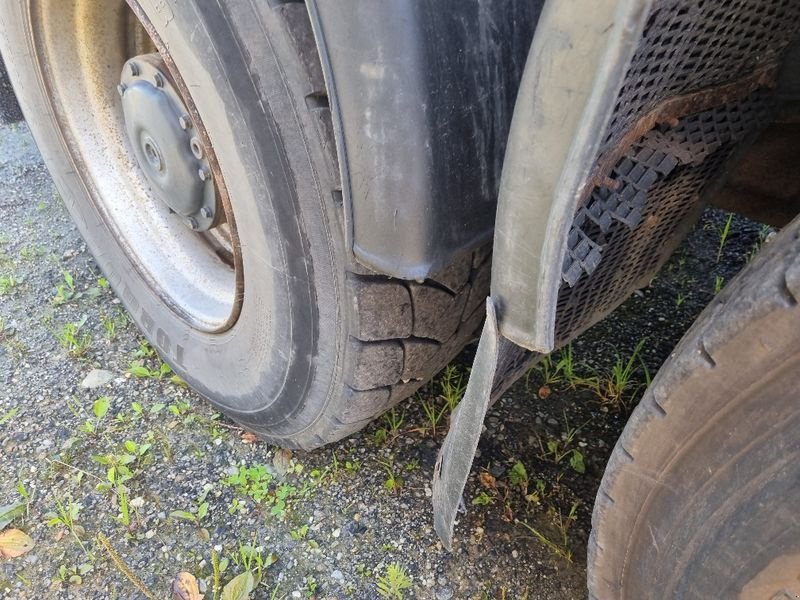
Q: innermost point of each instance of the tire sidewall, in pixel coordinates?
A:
(262, 369)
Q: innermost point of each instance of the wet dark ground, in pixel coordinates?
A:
(365, 501)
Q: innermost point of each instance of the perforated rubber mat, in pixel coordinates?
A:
(698, 87)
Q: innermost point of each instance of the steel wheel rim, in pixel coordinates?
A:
(82, 46)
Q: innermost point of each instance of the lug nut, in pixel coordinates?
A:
(185, 122)
(159, 79)
(203, 173)
(193, 223)
(205, 212)
(121, 89)
(197, 149)
(134, 69)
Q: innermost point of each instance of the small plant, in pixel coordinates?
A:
(7, 283)
(452, 387)
(394, 421)
(393, 481)
(121, 469)
(412, 465)
(764, 235)
(72, 340)
(74, 575)
(113, 323)
(8, 415)
(138, 369)
(482, 499)
(145, 350)
(394, 582)
(65, 291)
(256, 482)
(31, 252)
(518, 476)
(311, 586)
(620, 386)
(66, 516)
(679, 300)
(100, 410)
(719, 282)
(352, 466)
(433, 413)
(380, 436)
(723, 236)
(300, 533)
(199, 511)
(566, 365)
(562, 524)
(250, 481)
(558, 450)
(253, 558)
(563, 370)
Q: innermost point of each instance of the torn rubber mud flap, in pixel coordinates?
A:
(458, 450)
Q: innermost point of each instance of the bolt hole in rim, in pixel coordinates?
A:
(184, 245)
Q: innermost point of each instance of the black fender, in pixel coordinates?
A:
(421, 95)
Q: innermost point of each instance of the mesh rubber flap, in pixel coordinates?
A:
(688, 45)
(652, 174)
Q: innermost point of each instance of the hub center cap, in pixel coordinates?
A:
(161, 134)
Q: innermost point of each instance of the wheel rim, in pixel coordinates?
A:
(135, 136)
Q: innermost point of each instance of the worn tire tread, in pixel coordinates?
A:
(729, 325)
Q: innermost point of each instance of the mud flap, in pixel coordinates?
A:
(458, 450)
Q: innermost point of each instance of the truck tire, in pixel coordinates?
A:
(267, 315)
(700, 496)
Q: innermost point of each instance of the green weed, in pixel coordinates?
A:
(257, 483)
(72, 340)
(138, 369)
(199, 511)
(112, 324)
(66, 516)
(482, 499)
(620, 385)
(451, 387)
(723, 236)
(121, 469)
(74, 574)
(560, 548)
(394, 582)
(7, 284)
(253, 558)
(718, 283)
(393, 482)
(559, 450)
(65, 291)
(100, 409)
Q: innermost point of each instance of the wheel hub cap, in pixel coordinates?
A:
(161, 133)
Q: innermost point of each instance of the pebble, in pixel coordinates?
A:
(97, 378)
(337, 575)
(444, 593)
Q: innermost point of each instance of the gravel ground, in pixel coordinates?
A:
(188, 484)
